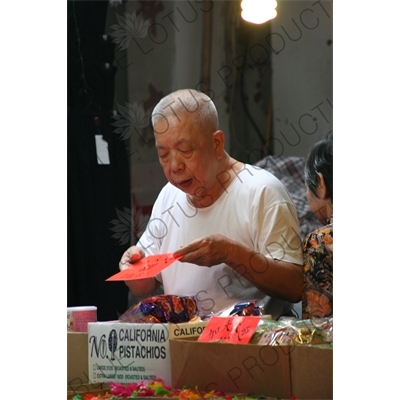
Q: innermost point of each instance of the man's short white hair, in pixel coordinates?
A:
(187, 103)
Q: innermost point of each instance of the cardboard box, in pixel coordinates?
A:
(305, 371)
(77, 358)
(233, 368)
(312, 372)
(132, 352)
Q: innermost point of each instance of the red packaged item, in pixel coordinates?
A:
(162, 309)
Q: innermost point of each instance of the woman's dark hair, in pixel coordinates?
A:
(320, 160)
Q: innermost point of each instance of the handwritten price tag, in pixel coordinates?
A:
(229, 329)
(146, 267)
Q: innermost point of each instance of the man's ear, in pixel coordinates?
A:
(219, 143)
(321, 187)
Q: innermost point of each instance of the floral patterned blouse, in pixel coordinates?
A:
(317, 298)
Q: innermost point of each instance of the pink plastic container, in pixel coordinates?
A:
(78, 318)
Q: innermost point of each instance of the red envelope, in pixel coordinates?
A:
(146, 267)
(234, 329)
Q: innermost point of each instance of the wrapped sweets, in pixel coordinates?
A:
(162, 309)
(274, 333)
(291, 331)
(241, 309)
(155, 389)
(314, 331)
(246, 308)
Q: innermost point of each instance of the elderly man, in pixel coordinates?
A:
(234, 224)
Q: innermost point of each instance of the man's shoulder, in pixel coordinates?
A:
(260, 180)
(252, 174)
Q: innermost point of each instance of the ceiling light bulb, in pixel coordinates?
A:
(258, 11)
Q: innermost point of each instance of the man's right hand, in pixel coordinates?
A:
(139, 287)
(132, 255)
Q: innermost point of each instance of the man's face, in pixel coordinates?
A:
(188, 158)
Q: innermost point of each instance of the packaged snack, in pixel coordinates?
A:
(314, 331)
(245, 309)
(162, 309)
(241, 309)
(274, 333)
(291, 331)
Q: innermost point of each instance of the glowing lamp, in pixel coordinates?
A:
(258, 11)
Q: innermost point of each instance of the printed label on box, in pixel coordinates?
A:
(186, 329)
(128, 352)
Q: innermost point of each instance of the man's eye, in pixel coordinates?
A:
(187, 153)
(163, 156)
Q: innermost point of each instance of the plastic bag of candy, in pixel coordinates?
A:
(274, 333)
(162, 309)
(314, 331)
(246, 309)
(242, 309)
(291, 331)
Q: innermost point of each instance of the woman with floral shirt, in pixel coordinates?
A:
(317, 301)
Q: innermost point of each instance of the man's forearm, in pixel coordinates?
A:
(143, 287)
(279, 279)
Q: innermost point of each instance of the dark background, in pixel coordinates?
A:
(94, 190)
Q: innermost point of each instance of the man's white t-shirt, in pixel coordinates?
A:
(255, 210)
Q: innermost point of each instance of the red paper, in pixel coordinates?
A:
(146, 267)
(229, 329)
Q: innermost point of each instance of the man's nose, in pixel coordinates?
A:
(176, 162)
